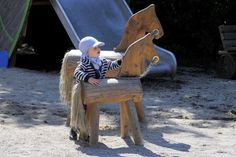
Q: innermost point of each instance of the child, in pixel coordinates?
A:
(91, 67)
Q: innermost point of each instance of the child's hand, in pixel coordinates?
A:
(94, 81)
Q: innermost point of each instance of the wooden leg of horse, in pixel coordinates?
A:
(134, 123)
(93, 123)
(140, 111)
(123, 120)
(68, 117)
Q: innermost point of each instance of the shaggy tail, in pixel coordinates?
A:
(78, 120)
(66, 81)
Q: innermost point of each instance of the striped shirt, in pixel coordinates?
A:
(85, 69)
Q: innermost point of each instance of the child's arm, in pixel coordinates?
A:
(80, 74)
(112, 65)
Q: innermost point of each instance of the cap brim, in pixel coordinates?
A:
(98, 44)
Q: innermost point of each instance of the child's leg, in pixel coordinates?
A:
(73, 134)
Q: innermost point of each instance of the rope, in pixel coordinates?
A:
(20, 27)
(9, 37)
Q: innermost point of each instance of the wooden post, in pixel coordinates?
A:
(93, 123)
(123, 120)
(140, 111)
(134, 123)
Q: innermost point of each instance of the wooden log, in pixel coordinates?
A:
(133, 123)
(93, 123)
(140, 111)
(112, 91)
(123, 120)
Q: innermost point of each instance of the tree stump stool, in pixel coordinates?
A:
(126, 92)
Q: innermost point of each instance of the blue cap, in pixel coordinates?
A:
(88, 42)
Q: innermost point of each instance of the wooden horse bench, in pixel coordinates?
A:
(138, 48)
(125, 91)
(132, 66)
(227, 61)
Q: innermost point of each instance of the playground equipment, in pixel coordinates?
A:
(105, 20)
(227, 61)
(125, 91)
(134, 63)
(135, 46)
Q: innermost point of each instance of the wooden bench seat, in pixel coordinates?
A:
(227, 61)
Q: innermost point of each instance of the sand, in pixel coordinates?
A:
(193, 116)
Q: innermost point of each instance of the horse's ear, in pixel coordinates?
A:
(154, 6)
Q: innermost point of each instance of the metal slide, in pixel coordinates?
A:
(105, 20)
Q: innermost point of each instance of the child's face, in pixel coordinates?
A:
(94, 51)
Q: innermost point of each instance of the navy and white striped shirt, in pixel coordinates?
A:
(85, 69)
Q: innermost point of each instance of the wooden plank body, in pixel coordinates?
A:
(112, 91)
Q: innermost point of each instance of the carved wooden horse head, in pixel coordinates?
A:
(142, 22)
(134, 58)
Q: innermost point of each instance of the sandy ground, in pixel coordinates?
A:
(194, 115)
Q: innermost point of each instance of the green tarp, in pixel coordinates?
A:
(12, 17)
